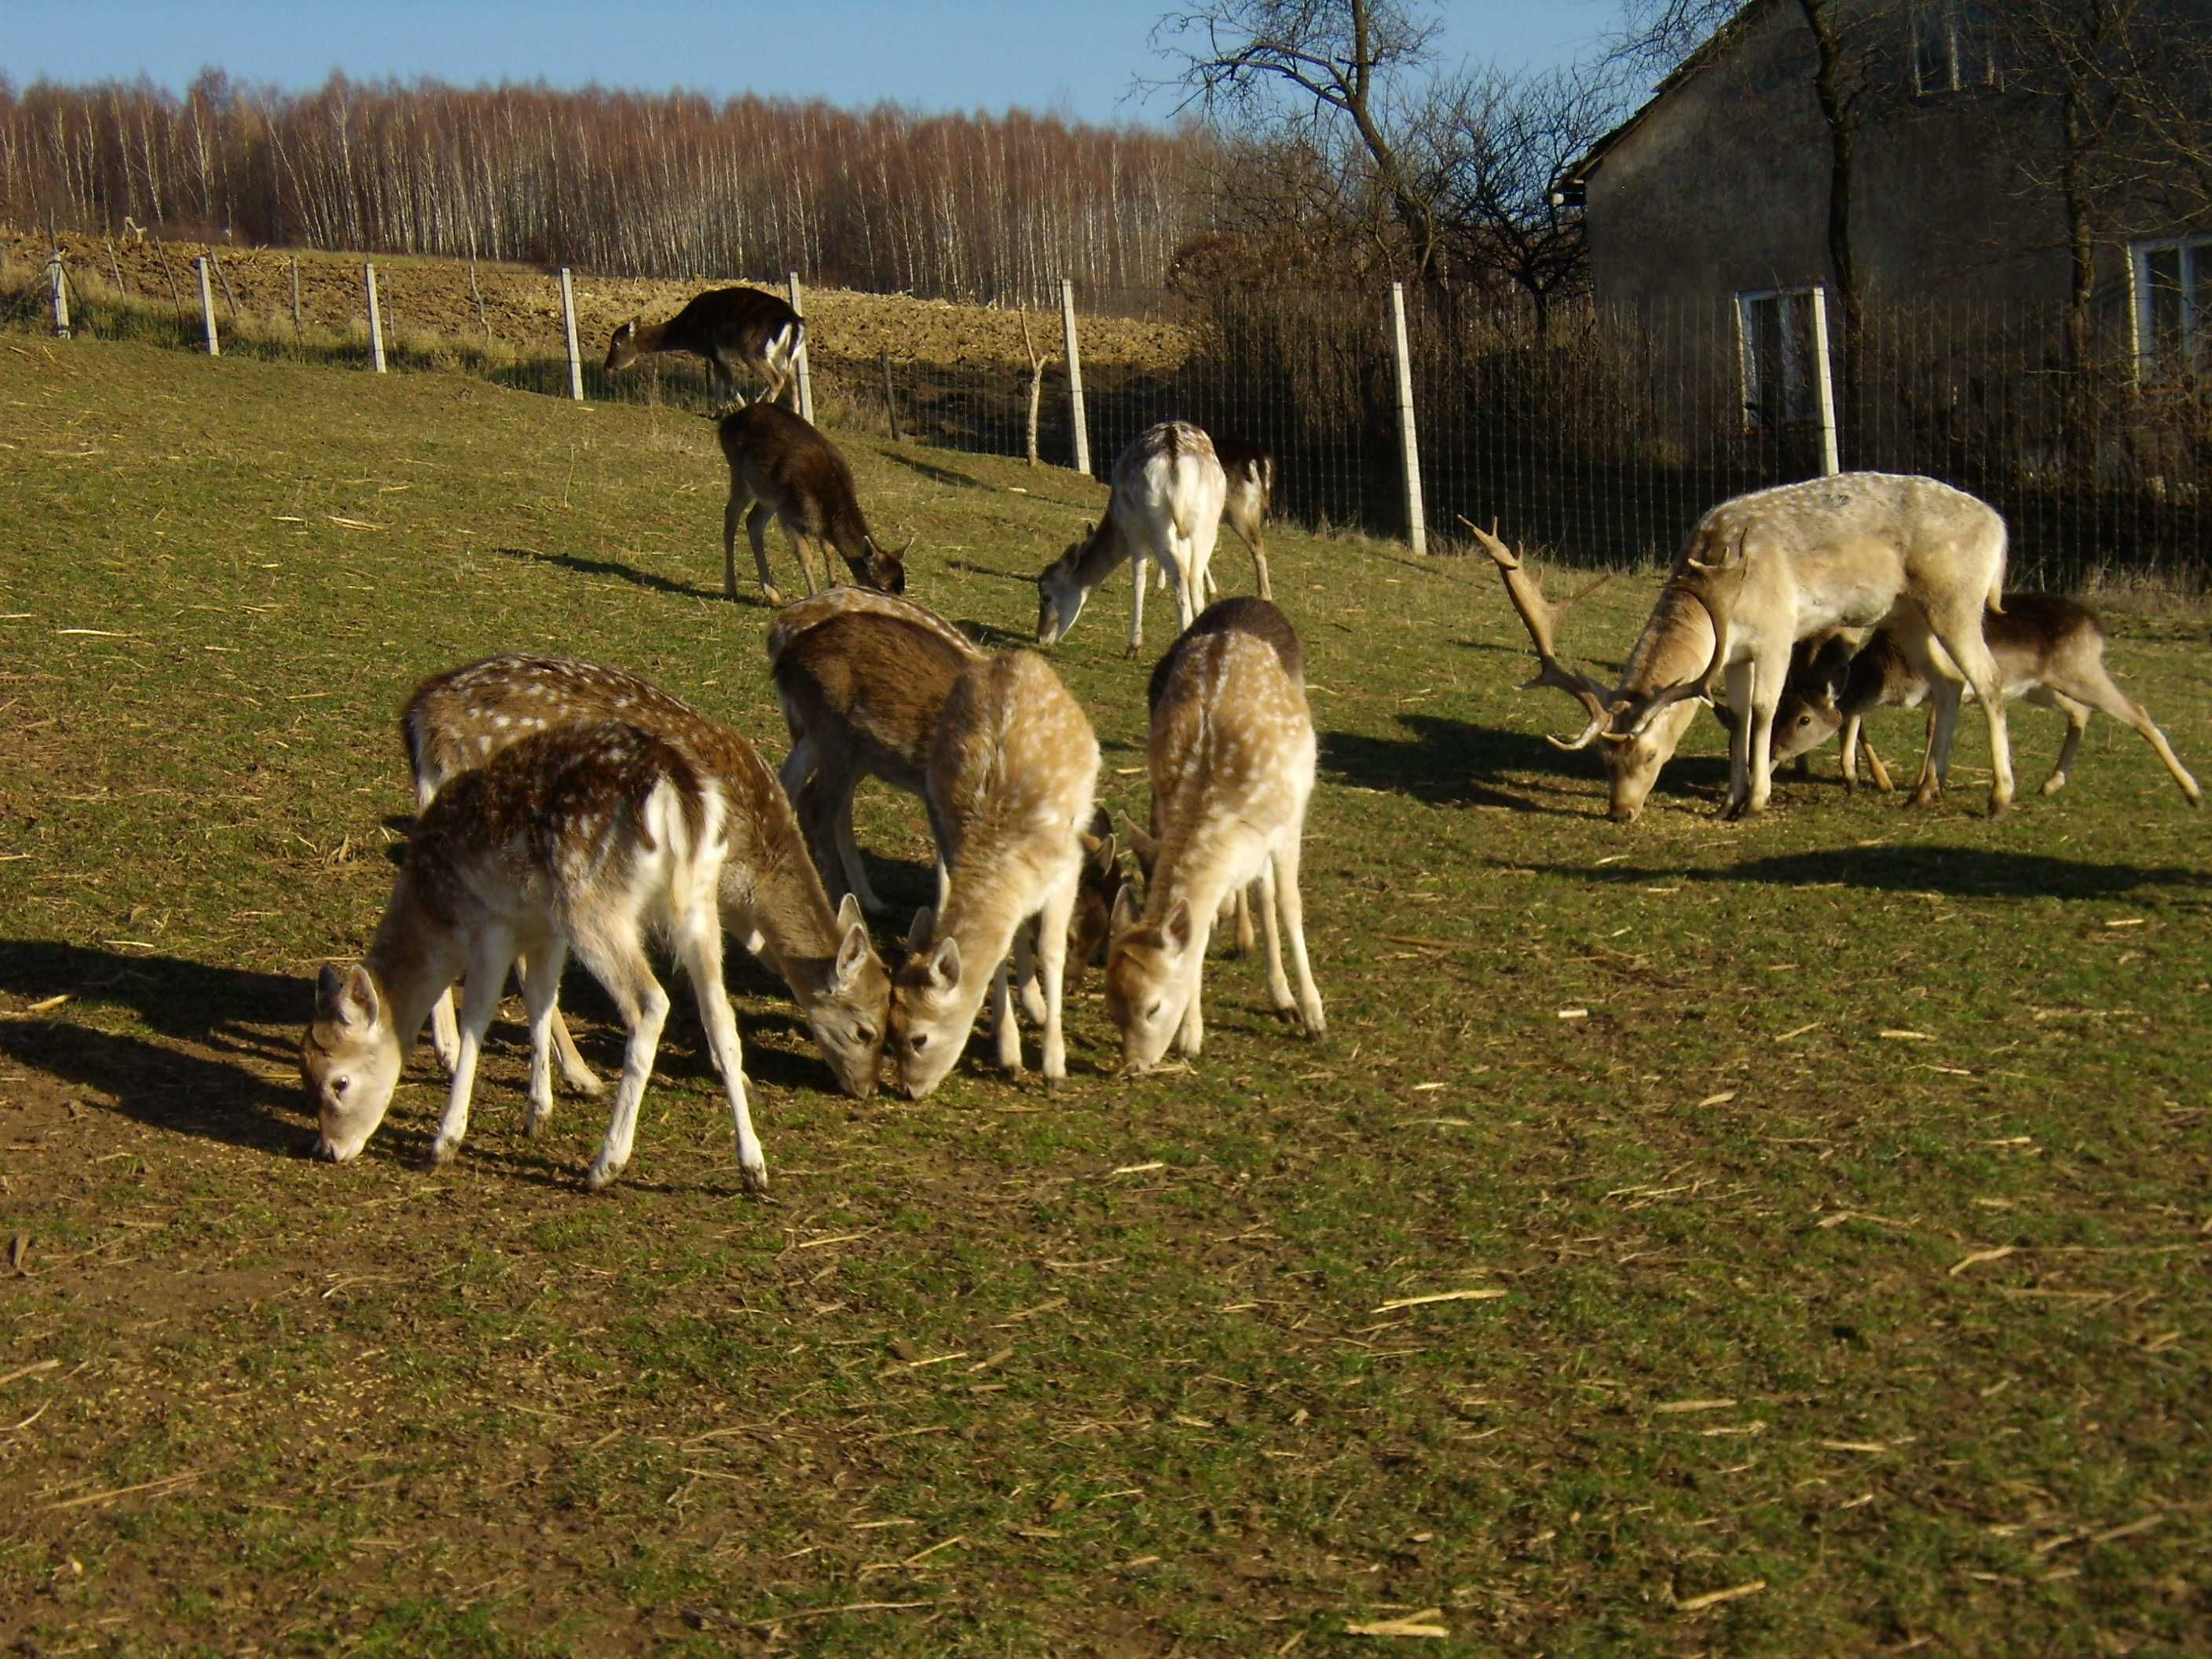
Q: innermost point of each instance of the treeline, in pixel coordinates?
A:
(673, 185)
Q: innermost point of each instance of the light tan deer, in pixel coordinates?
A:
(1231, 757)
(770, 896)
(1782, 565)
(863, 678)
(1011, 778)
(731, 328)
(1168, 491)
(582, 837)
(1251, 473)
(2049, 650)
(781, 468)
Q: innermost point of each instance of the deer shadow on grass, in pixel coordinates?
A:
(935, 474)
(1955, 872)
(629, 574)
(1453, 763)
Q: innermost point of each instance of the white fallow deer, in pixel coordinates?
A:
(1012, 776)
(770, 896)
(863, 678)
(731, 328)
(2049, 651)
(1167, 493)
(587, 838)
(781, 468)
(1231, 758)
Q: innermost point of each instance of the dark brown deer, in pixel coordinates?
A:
(729, 327)
(781, 468)
(2049, 651)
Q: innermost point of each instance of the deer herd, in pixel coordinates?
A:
(568, 807)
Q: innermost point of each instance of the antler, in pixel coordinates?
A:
(1540, 616)
(1693, 687)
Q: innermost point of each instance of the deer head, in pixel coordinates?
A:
(350, 1059)
(622, 350)
(886, 569)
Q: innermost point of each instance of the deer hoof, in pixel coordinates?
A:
(441, 1153)
(754, 1179)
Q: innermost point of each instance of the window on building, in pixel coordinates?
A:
(1774, 333)
(2173, 305)
(1954, 46)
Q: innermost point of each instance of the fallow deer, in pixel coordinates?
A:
(2049, 651)
(1763, 571)
(582, 837)
(1167, 493)
(770, 894)
(863, 678)
(729, 327)
(1231, 758)
(781, 468)
(1250, 471)
(1011, 778)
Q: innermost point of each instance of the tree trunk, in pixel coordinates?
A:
(1836, 114)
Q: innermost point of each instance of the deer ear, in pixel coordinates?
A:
(1102, 822)
(1175, 926)
(917, 937)
(1145, 847)
(1125, 911)
(848, 912)
(852, 956)
(1102, 854)
(944, 964)
(348, 998)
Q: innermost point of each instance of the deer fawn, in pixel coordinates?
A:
(2049, 651)
(1011, 777)
(1168, 492)
(781, 468)
(863, 678)
(1231, 758)
(770, 894)
(730, 327)
(582, 837)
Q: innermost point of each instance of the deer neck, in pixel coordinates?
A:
(1106, 551)
(415, 957)
(987, 898)
(1199, 853)
(648, 336)
(1676, 643)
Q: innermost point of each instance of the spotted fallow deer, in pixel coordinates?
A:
(770, 896)
(1250, 474)
(1167, 493)
(580, 837)
(1231, 758)
(863, 678)
(781, 468)
(1010, 784)
(2049, 651)
(731, 328)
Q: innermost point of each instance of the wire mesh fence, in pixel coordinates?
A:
(1596, 433)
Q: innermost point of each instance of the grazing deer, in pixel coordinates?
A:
(863, 678)
(781, 468)
(2049, 651)
(1776, 567)
(1009, 782)
(730, 327)
(770, 896)
(1250, 474)
(1231, 758)
(582, 837)
(1168, 492)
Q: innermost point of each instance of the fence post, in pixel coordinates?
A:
(1074, 377)
(891, 398)
(1417, 529)
(1824, 382)
(59, 282)
(375, 321)
(207, 306)
(296, 296)
(799, 363)
(569, 329)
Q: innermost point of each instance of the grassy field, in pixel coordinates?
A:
(1788, 1237)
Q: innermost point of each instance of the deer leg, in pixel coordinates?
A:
(1241, 903)
(1028, 948)
(756, 522)
(2101, 694)
(1278, 989)
(1052, 966)
(1738, 676)
(1260, 566)
(541, 991)
(1292, 907)
(1005, 1037)
(1961, 638)
(1136, 602)
(620, 965)
(445, 1038)
(2076, 716)
(732, 513)
(848, 851)
(489, 959)
(1874, 767)
(699, 947)
(1767, 675)
(1198, 567)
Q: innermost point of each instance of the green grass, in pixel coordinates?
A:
(484, 1412)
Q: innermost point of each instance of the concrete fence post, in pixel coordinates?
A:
(569, 332)
(1074, 378)
(1417, 531)
(799, 362)
(207, 306)
(1824, 381)
(58, 280)
(375, 321)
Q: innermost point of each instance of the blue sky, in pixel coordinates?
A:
(1074, 59)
